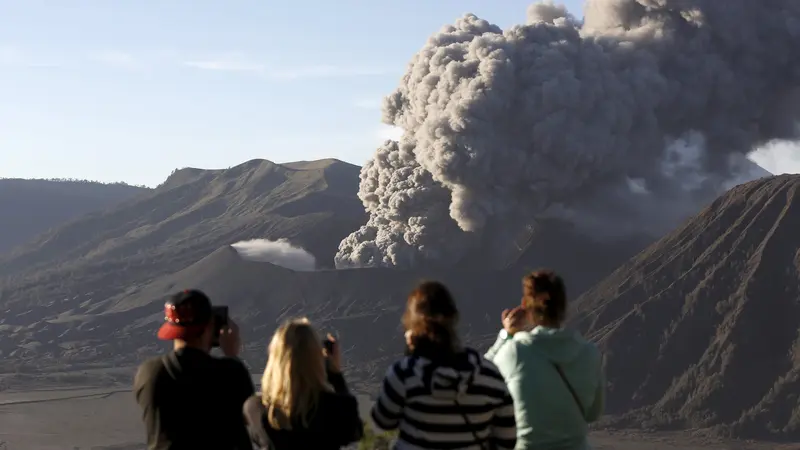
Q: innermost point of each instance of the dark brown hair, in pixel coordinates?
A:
(549, 309)
(431, 316)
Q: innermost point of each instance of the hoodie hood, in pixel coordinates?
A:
(450, 380)
(559, 345)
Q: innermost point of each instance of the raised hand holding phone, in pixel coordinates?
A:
(229, 340)
(333, 354)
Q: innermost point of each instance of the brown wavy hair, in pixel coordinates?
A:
(431, 316)
(543, 292)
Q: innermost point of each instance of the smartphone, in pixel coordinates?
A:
(219, 315)
(327, 344)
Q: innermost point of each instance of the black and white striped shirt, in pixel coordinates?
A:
(427, 402)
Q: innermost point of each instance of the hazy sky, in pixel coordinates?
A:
(128, 90)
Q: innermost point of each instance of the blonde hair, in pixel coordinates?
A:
(295, 375)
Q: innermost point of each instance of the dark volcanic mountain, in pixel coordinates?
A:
(91, 292)
(199, 210)
(116, 327)
(31, 207)
(701, 328)
(362, 306)
(313, 204)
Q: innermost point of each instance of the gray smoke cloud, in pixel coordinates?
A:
(281, 253)
(642, 112)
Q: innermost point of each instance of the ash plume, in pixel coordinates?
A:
(281, 253)
(635, 116)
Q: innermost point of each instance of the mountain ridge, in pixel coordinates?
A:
(700, 328)
(32, 206)
(175, 225)
(194, 196)
(90, 293)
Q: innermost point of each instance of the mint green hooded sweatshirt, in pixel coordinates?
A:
(548, 418)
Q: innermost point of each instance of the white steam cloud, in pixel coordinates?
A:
(281, 253)
(631, 119)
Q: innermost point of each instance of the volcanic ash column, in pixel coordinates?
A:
(501, 127)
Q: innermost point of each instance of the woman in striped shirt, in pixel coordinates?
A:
(442, 395)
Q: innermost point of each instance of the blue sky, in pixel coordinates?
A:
(128, 90)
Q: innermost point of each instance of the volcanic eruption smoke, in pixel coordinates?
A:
(646, 104)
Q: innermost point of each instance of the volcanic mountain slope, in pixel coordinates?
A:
(31, 207)
(313, 204)
(362, 305)
(57, 282)
(701, 328)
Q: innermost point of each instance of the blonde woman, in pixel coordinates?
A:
(304, 403)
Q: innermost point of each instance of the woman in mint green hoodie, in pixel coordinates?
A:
(554, 375)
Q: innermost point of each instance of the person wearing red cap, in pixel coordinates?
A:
(190, 399)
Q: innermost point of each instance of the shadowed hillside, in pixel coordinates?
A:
(60, 286)
(194, 212)
(31, 207)
(194, 206)
(700, 329)
(90, 293)
(364, 305)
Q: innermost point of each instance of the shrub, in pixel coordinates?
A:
(376, 441)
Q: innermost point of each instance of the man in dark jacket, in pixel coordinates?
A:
(190, 399)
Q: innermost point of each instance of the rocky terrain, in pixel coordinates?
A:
(684, 324)
(195, 211)
(700, 329)
(185, 219)
(55, 289)
(32, 207)
(96, 418)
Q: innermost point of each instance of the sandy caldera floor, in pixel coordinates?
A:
(105, 417)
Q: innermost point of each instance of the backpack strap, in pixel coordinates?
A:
(571, 390)
(481, 443)
(478, 440)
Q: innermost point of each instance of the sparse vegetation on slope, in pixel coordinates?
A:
(700, 329)
(109, 252)
(30, 207)
(377, 440)
(681, 322)
(193, 214)
(55, 291)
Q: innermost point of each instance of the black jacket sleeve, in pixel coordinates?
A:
(148, 386)
(243, 381)
(242, 389)
(345, 418)
(336, 380)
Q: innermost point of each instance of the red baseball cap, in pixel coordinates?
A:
(186, 315)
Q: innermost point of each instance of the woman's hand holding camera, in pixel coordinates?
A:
(333, 354)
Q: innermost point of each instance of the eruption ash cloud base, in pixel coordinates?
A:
(502, 128)
(281, 253)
